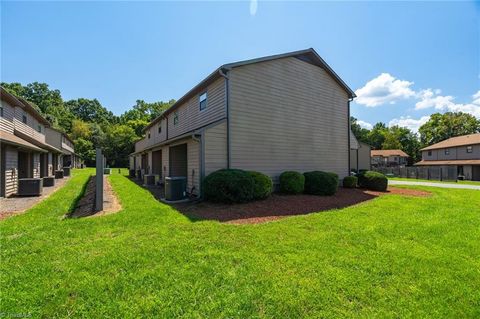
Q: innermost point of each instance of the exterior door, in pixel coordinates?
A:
(157, 162)
(476, 173)
(178, 160)
(144, 162)
(43, 164)
(24, 165)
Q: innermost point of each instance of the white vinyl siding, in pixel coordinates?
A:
(287, 114)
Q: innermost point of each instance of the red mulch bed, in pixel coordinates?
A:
(279, 206)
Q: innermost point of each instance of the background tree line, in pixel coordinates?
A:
(438, 128)
(89, 124)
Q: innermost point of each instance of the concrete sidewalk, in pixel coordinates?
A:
(440, 184)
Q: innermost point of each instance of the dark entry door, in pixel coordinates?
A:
(144, 162)
(43, 165)
(476, 173)
(24, 165)
(157, 162)
(178, 160)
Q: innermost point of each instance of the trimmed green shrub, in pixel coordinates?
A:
(321, 183)
(373, 180)
(263, 185)
(292, 182)
(350, 182)
(229, 186)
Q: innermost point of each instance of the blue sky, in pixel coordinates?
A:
(406, 60)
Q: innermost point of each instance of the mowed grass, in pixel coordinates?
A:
(391, 257)
(433, 181)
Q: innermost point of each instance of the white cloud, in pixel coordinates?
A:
(384, 89)
(408, 122)
(364, 124)
(253, 7)
(430, 99)
(476, 98)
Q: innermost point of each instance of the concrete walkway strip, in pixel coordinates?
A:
(442, 185)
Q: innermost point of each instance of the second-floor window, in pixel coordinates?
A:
(39, 128)
(148, 134)
(447, 151)
(24, 118)
(469, 149)
(175, 118)
(159, 128)
(1, 111)
(203, 101)
(429, 153)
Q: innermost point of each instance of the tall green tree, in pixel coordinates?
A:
(120, 141)
(90, 111)
(376, 136)
(443, 126)
(360, 133)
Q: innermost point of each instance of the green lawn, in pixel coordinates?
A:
(433, 181)
(391, 257)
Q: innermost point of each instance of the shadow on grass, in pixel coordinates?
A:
(79, 197)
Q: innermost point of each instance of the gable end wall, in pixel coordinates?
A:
(287, 114)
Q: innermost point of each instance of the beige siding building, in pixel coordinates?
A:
(462, 152)
(359, 154)
(25, 148)
(272, 114)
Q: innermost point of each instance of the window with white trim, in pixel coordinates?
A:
(470, 149)
(203, 101)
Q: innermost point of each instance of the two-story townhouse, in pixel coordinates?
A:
(25, 151)
(66, 156)
(462, 152)
(270, 114)
(19, 158)
(388, 158)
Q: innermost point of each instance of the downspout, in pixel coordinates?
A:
(223, 72)
(349, 129)
(201, 160)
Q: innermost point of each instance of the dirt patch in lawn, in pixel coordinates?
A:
(86, 205)
(280, 206)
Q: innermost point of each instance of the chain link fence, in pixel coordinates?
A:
(439, 173)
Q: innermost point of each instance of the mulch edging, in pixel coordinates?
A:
(280, 206)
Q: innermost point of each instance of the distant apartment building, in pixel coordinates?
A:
(462, 152)
(388, 158)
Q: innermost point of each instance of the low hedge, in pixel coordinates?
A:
(321, 183)
(373, 181)
(263, 185)
(229, 186)
(292, 182)
(350, 182)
